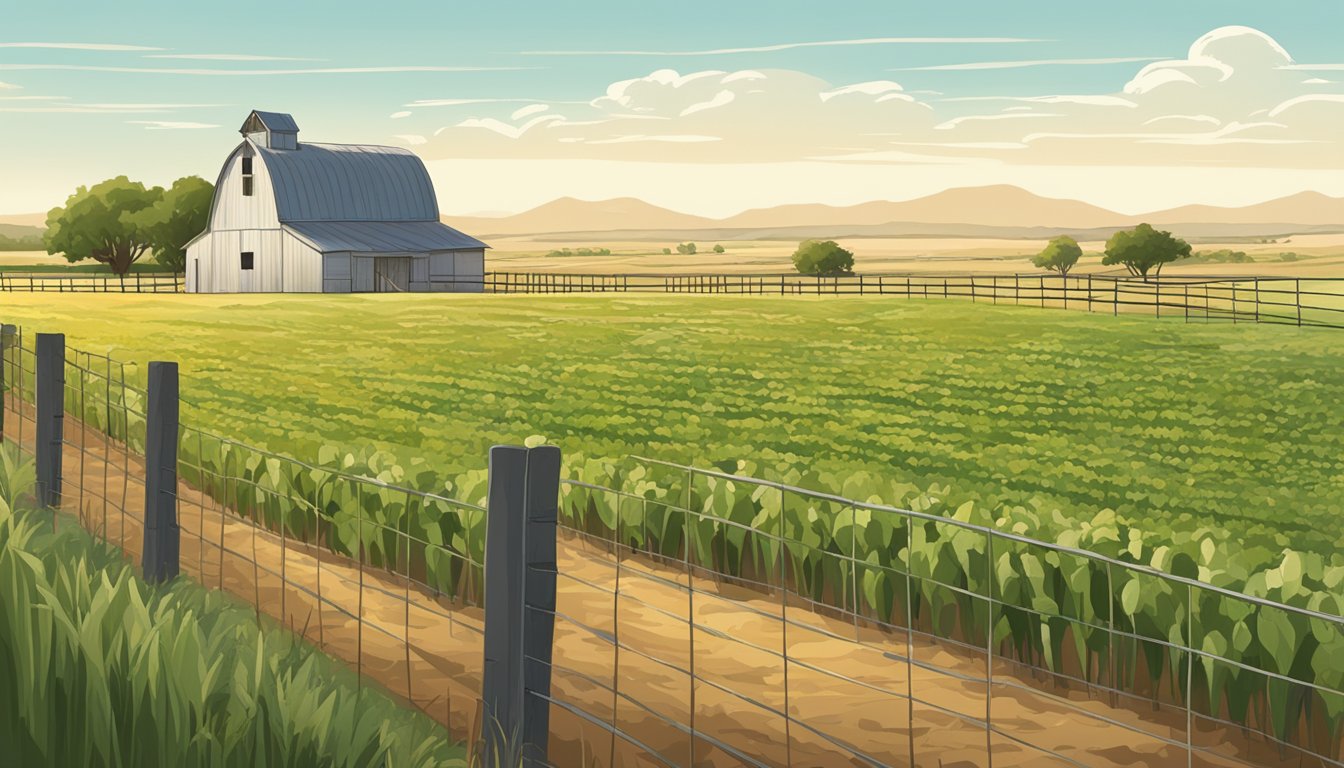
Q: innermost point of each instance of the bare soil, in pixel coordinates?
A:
(844, 685)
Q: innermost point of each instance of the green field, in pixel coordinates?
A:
(1188, 427)
(1207, 451)
(98, 667)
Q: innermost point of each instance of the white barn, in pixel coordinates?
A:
(335, 218)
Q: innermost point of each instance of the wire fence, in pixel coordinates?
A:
(1297, 301)
(694, 628)
(134, 282)
(937, 644)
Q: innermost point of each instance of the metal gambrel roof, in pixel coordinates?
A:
(347, 182)
(273, 121)
(381, 237)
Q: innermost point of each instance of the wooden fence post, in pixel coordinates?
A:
(7, 335)
(159, 561)
(50, 416)
(523, 500)
(1297, 299)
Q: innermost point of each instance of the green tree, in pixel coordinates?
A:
(667, 251)
(101, 223)
(1143, 249)
(179, 215)
(1059, 255)
(686, 249)
(718, 248)
(822, 257)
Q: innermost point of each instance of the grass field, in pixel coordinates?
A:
(98, 667)
(1319, 255)
(1192, 429)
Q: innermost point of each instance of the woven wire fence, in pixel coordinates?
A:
(729, 636)
(1301, 301)
(700, 620)
(374, 573)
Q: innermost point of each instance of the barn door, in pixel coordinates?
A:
(391, 274)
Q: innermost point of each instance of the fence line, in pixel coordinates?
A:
(134, 282)
(1297, 301)
(674, 630)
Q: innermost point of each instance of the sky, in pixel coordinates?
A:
(704, 107)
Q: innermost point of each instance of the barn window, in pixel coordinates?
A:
(247, 177)
(247, 260)
(247, 166)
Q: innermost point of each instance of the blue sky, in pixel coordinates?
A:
(885, 100)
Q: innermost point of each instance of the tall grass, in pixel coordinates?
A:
(98, 668)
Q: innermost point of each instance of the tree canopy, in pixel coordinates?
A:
(180, 214)
(1059, 255)
(1143, 249)
(822, 257)
(117, 221)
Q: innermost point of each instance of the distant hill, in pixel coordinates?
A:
(996, 206)
(994, 211)
(567, 214)
(1311, 208)
(38, 220)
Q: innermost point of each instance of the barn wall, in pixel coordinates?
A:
(337, 273)
(233, 210)
(302, 266)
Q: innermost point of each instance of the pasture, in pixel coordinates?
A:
(1184, 431)
(1318, 255)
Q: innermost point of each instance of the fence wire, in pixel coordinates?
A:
(742, 643)
(1300, 301)
(688, 635)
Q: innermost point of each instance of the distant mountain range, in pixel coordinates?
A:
(995, 211)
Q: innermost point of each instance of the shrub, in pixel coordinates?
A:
(823, 257)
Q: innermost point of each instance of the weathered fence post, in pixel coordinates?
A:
(159, 560)
(7, 337)
(524, 489)
(50, 416)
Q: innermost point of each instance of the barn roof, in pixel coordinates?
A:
(348, 182)
(273, 121)
(382, 237)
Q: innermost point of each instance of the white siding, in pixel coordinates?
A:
(234, 210)
(302, 266)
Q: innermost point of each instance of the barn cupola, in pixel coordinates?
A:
(273, 130)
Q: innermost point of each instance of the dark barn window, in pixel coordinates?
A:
(247, 260)
(247, 166)
(247, 177)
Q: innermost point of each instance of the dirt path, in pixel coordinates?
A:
(428, 650)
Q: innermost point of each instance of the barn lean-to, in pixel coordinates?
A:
(335, 218)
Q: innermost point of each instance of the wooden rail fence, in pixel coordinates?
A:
(135, 282)
(1301, 301)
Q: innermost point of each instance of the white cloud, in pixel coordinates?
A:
(717, 115)
(96, 109)
(531, 109)
(411, 139)
(790, 46)
(982, 65)
(399, 115)
(1233, 98)
(225, 57)
(9, 86)
(82, 46)
(252, 72)
(169, 125)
